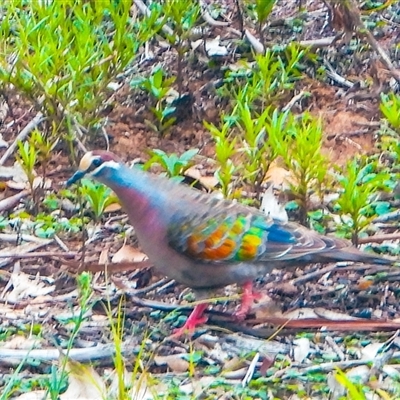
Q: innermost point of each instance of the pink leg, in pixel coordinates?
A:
(195, 318)
(248, 297)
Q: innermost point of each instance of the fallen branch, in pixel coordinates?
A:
(22, 136)
(89, 354)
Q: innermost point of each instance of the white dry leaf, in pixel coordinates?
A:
(208, 181)
(196, 44)
(333, 315)
(24, 286)
(197, 387)
(391, 372)
(20, 342)
(36, 395)
(359, 374)
(271, 207)
(143, 390)
(15, 173)
(171, 96)
(39, 182)
(213, 48)
(301, 313)
(175, 362)
(84, 383)
(114, 86)
(302, 347)
(370, 351)
(128, 254)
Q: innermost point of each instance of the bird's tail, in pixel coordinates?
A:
(355, 255)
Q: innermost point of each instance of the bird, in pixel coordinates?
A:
(206, 242)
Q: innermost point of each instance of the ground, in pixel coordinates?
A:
(311, 315)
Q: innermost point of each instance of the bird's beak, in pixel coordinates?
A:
(75, 178)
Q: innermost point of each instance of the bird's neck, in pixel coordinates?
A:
(138, 194)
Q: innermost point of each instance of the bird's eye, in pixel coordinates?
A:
(96, 162)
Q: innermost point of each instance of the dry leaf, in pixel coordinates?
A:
(301, 313)
(20, 342)
(370, 351)
(174, 361)
(271, 207)
(84, 383)
(301, 349)
(113, 207)
(36, 395)
(128, 254)
(333, 315)
(24, 286)
(213, 48)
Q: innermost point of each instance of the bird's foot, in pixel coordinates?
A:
(248, 297)
(195, 319)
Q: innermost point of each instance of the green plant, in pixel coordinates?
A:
(98, 196)
(44, 145)
(300, 147)
(27, 157)
(174, 165)
(354, 391)
(390, 107)
(262, 9)
(182, 15)
(62, 55)
(159, 87)
(225, 151)
(259, 139)
(262, 84)
(58, 377)
(360, 185)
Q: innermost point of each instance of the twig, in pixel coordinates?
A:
(256, 44)
(250, 371)
(336, 77)
(22, 249)
(61, 243)
(312, 275)
(38, 254)
(392, 216)
(207, 16)
(335, 347)
(90, 354)
(10, 202)
(293, 101)
(380, 238)
(22, 136)
(317, 43)
(149, 288)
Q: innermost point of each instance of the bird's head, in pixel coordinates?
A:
(95, 164)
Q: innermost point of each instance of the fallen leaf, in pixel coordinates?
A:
(333, 315)
(174, 361)
(128, 254)
(24, 286)
(301, 349)
(370, 351)
(271, 207)
(36, 395)
(213, 48)
(20, 342)
(84, 383)
(301, 313)
(113, 207)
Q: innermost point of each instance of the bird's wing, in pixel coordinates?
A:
(239, 234)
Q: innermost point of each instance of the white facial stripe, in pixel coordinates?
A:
(108, 164)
